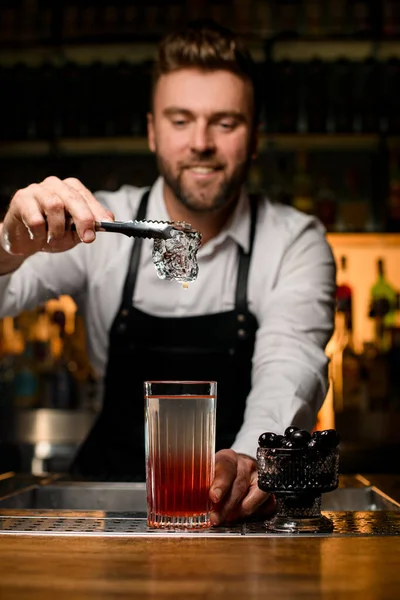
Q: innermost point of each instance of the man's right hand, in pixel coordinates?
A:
(36, 218)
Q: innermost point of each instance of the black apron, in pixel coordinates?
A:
(214, 347)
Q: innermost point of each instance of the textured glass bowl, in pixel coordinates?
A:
(298, 477)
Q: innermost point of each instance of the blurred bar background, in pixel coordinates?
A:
(74, 83)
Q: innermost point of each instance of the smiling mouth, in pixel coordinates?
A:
(203, 170)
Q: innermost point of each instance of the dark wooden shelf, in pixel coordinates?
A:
(319, 141)
(108, 53)
(328, 50)
(141, 51)
(138, 145)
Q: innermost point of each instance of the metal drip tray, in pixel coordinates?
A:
(384, 523)
(131, 497)
(53, 506)
(114, 497)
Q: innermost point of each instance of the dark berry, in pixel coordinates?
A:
(288, 445)
(329, 438)
(268, 440)
(279, 440)
(300, 438)
(314, 444)
(290, 430)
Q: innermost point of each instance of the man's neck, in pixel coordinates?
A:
(209, 224)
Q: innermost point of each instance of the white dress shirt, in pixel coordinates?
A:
(290, 291)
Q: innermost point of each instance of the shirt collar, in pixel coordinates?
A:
(237, 227)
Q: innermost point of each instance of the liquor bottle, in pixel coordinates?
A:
(367, 94)
(71, 113)
(46, 117)
(27, 30)
(347, 369)
(341, 105)
(7, 376)
(390, 95)
(344, 294)
(20, 112)
(7, 363)
(302, 185)
(49, 20)
(263, 21)
(124, 103)
(88, 17)
(354, 384)
(64, 387)
(280, 189)
(326, 204)
(315, 95)
(313, 18)
(96, 74)
(383, 299)
(110, 19)
(393, 203)
(70, 22)
(337, 18)
(361, 18)
(390, 18)
(41, 334)
(175, 15)
(196, 9)
(394, 360)
(220, 12)
(9, 22)
(26, 380)
(286, 98)
(255, 179)
(354, 211)
(6, 83)
(288, 18)
(130, 18)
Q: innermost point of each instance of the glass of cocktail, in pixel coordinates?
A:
(180, 449)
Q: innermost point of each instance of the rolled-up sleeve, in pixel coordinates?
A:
(289, 375)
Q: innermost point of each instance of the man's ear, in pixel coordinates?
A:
(151, 136)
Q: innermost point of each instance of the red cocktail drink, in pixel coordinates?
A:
(180, 448)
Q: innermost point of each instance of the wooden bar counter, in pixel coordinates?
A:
(42, 568)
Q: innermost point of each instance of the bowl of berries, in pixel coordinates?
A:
(298, 467)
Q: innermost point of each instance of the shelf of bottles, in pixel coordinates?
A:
(364, 351)
(329, 70)
(43, 361)
(43, 21)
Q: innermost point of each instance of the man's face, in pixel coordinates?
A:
(201, 131)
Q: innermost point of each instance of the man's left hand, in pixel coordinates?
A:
(234, 491)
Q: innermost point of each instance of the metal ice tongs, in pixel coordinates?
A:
(144, 229)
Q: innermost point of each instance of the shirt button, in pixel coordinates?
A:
(241, 318)
(242, 333)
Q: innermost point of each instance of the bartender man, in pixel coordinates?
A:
(256, 320)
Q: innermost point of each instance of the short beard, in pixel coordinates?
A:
(229, 189)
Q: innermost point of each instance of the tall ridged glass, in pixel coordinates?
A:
(180, 450)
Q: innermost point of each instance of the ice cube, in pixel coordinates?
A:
(175, 258)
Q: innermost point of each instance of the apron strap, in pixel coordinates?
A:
(244, 261)
(133, 268)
